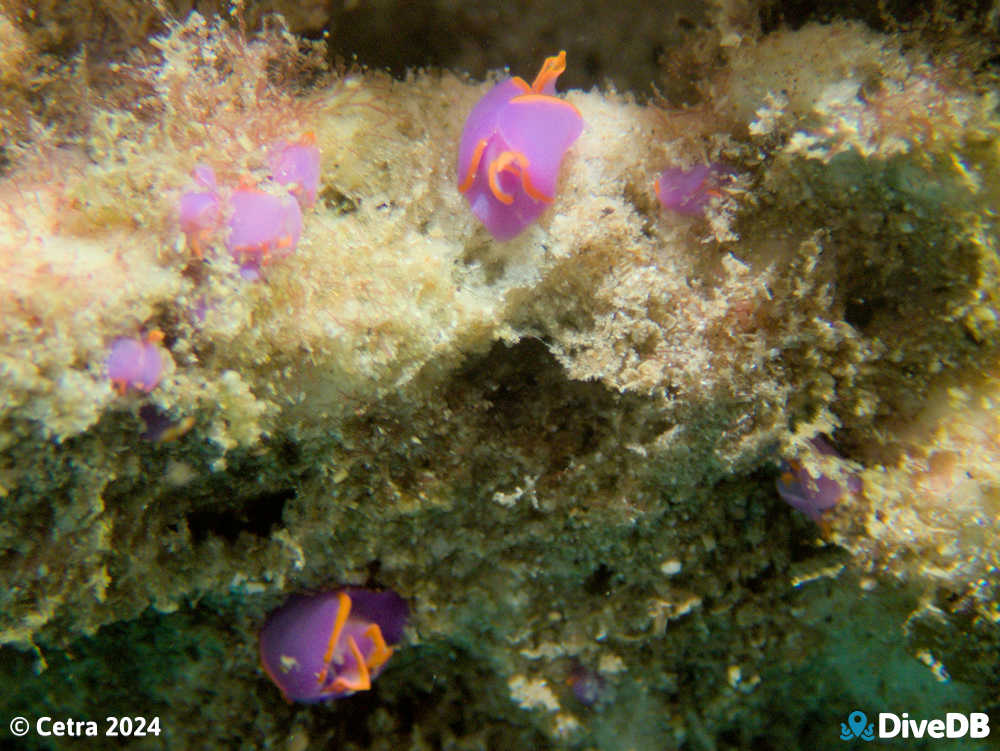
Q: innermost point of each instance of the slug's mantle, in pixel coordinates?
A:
(332, 644)
(512, 147)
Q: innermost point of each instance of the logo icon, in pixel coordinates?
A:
(857, 726)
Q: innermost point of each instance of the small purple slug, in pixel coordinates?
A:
(588, 686)
(512, 147)
(136, 363)
(812, 495)
(262, 227)
(160, 428)
(199, 209)
(295, 164)
(331, 644)
(262, 224)
(687, 191)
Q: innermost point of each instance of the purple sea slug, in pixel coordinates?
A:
(687, 191)
(199, 209)
(160, 428)
(136, 363)
(587, 685)
(812, 495)
(296, 165)
(512, 147)
(262, 224)
(331, 644)
(262, 227)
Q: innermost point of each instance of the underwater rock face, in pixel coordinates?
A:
(560, 450)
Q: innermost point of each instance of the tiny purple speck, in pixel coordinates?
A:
(588, 686)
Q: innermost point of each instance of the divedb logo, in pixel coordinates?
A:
(954, 725)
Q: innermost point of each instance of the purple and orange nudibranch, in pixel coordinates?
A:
(199, 209)
(264, 220)
(331, 644)
(136, 363)
(262, 227)
(687, 191)
(588, 685)
(512, 147)
(295, 164)
(813, 495)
